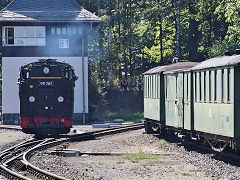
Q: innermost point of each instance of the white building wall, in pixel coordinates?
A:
(10, 71)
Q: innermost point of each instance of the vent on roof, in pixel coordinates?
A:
(175, 60)
(227, 53)
(237, 51)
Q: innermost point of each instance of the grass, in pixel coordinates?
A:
(100, 163)
(134, 169)
(184, 173)
(124, 142)
(136, 117)
(120, 162)
(135, 158)
(145, 165)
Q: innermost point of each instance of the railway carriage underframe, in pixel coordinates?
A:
(216, 142)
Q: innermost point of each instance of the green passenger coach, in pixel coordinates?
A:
(216, 100)
(156, 109)
(200, 100)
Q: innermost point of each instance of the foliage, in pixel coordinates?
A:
(137, 35)
(219, 47)
(135, 158)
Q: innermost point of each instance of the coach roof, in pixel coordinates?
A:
(46, 10)
(171, 67)
(218, 62)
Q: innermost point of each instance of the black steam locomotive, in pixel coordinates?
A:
(46, 92)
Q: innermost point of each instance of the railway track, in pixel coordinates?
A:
(15, 160)
(11, 127)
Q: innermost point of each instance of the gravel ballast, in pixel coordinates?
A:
(177, 162)
(9, 138)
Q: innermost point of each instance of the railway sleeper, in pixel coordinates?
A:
(19, 166)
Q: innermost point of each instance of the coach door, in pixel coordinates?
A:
(179, 98)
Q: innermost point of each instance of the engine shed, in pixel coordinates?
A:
(44, 29)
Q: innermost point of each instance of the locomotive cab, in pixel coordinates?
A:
(46, 92)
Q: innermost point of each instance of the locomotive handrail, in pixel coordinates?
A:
(46, 77)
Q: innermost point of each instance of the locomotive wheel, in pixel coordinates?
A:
(41, 134)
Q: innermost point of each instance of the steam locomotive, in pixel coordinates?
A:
(46, 92)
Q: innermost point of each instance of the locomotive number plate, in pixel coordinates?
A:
(46, 84)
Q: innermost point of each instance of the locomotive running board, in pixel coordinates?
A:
(217, 149)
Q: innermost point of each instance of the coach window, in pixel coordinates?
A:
(228, 84)
(204, 85)
(149, 89)
(200, 86)
(176, 86)
(187, 88)
(210, 86)
(150, 86)
(156, 80)
(154, 86)
(222, 84)
(195, 74)
(147, 86)
(215, 85)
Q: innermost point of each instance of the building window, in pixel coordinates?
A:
(9, 36)
(25, 36)
(66, 30)
(74, 31)
(58, 30)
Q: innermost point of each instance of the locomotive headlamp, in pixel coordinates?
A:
(31, 99)
(60, 99)
(46, 70)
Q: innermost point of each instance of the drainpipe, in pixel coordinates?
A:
(83, 76)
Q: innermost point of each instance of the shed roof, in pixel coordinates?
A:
(47, 11)
(171, 67)
(218, 62)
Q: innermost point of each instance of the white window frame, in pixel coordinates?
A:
(25, 36)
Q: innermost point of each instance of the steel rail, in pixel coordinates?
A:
(10, 127)
(41, 174)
